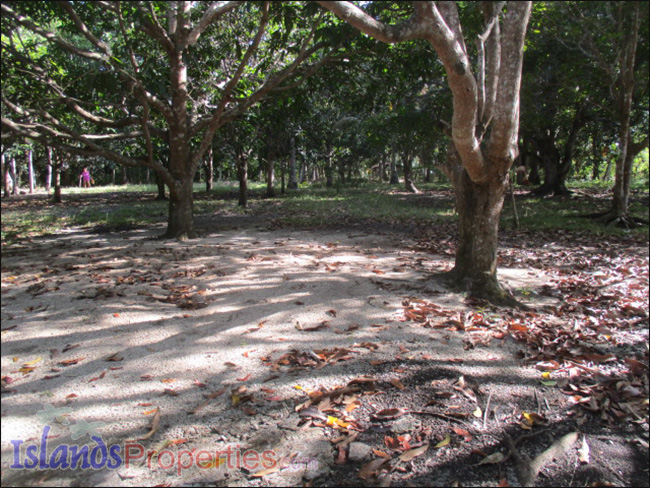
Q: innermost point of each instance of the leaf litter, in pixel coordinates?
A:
(578, 342)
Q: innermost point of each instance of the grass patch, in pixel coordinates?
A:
(370, 204)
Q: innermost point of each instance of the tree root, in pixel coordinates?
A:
(612, 219)
(528, 469)
(488, 289)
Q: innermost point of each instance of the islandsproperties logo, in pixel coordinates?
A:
(90, 451)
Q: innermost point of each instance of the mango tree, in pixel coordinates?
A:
(135, 75)
(485, 119)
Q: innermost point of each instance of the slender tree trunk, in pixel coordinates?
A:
(270, 176)
(6, 178)
(329, 169)
(125, 178)
(408, 173)
(160, 185)
(209, 171)
(30, 170)
(48, 175)
(14, 177)
(394, 178)
(293, 179)
(58, 166)
(242, 174)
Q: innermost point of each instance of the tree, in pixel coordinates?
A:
(137, 75)
(485, 119)
(610, 37)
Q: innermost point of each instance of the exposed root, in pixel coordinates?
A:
(484, 288)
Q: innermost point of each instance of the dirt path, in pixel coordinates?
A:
(213, 345)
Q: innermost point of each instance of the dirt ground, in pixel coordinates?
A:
(335, 350)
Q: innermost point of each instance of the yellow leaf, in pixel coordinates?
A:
(478, 413)
(212, 463)
(443, 442)
(546, 375)
(528, 417)
(33, 362)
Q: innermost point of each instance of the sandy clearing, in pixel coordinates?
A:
(245, 295)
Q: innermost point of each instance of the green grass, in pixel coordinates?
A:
(370, 204)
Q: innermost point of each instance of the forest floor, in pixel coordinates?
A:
(332, 349)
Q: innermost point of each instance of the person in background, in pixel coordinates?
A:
(84, 178)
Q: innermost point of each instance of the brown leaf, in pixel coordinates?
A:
(69, 362)
(413, 453)
(371, 468)
(389, 413)
(397, 383)
(114, 357)
(463, 433)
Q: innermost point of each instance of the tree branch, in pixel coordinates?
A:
(214, 11)
(353, 15)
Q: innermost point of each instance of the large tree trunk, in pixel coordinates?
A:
(479, 208)
(180, 224)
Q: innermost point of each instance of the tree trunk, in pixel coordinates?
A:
(479, 207)
(180, 224)
(557, 168)
(329, 169)
(6, 178)
(30, 170)
(125, 178)
(160, 184)
(14, 177)
(58, 164)
(48, 175)
(270, 176)
(209, 171)
(394, 179)
(242, 174)
(293, 180)
(408, 173)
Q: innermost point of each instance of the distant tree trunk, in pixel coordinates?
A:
(209, 171)
(30, 170)
(6, 179)
(394, 178)
(14, 177)
(329, 169)
(58, 164)
(160, 185)
(242, 174)
(408, 173)
(125, 178)
(293, 179)
(270, 175)
(555, 170)
(48, 174)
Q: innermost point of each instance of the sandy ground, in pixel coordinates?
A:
(168, 325)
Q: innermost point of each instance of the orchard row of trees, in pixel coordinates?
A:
(179, 87)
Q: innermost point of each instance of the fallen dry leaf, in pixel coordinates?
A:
(413, 453)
